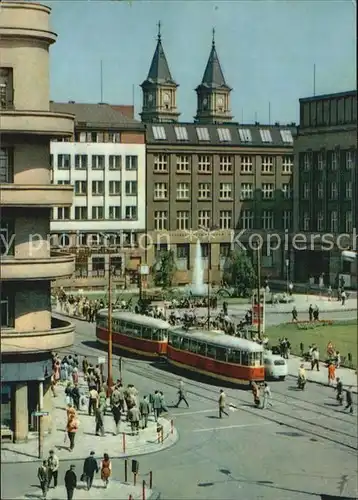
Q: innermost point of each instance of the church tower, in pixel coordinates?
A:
(159, 89)
(213, 94)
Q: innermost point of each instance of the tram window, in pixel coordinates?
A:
(156, 335)
(185, 346)
(234, 356)
(245, 358)
(252, 359)
(194, 346)
(201, 349)
(164, 334)
(175, 341)
(211, 352)
(146, 333)
(221, 353)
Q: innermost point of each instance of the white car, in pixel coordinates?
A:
(275, 366)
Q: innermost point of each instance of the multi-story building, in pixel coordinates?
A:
(105, 162)
(325, 181)
(28, 333)
(212, 173)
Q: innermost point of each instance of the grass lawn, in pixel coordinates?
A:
(342, 335)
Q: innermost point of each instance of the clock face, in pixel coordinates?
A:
(205, 101)
(220, 101)
(150, 97)
(166, 98)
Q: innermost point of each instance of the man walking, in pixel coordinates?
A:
(267, 396)
(42, 474)
(181, 394)
(157, 405)
(52, 468)
(90, 466)
(144, 411)
(93, 401)
(116, 408)
(222, 404)
(70, 482)
(134, 420)
(99, 422)
(349, 400)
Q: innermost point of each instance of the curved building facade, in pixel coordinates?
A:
(28, 332)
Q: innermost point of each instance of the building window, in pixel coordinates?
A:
(183, 191)
(306, 221)
(320, 221)
(98, 162)
(287, 219)
(6, 88)
(203, 134)
(160, 220)
(204, 218)
(286, 190)
(334, 191)
(63, 162)
(7, 237)
(132, 162)
(265, 135)
(131, 212)
(131, 188)
(115, 188)
(115, 162)
(225, 219)
(320, 191)
(247, 191)
(183, 163)
(63, 182)
(204, 164)
(267, 191)
(98, 266)
(81, 213)
(267, 165)
(224, 250)
(204, 191)
(287, 164)
(247, 219)
(320, 161)
(225, 192)
(245, 135)
(267, 219)
(114, 213)
(80, 188)
(306, 191)
(348, 190)
(6, 166)
(286, 136)
(7, 310)
(97, 188)
(114, 137)
(348, 222)
(160, 163)
(349, 160)
(334, 221)
(63, 213)
(225, 163)
(181, 133)
(159, 133)
(246, 164)
(183, 251)
(224, 135)
(97, 212)
(182, 219)
(81, 162)
(160, 191)
(334, 160)
(306, 162)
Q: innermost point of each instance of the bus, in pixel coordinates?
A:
(134, 333)
(216, 355)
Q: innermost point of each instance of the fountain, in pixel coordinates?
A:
(197, 287)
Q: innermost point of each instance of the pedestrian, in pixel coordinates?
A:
(349, 400)
(144, 410)
(70, 481)
(267, 396)
(85, 367)
(93, 401)
(75, 375)
(290, 288)
(53, 464)
(339, 390)
(331, 373)
(68, 393)
(315, 359)
(90, 467)
(181, 395)
(106, 469)
(72, 427)
(343, 297)
(76, 396)
(99, 431)
(102, 400)
(294, 314)
(310, 313)
(116, 408)
(164, 408)
(222, 404)
(329, 293)
(157, 405)
(134, 420)
(43, 477)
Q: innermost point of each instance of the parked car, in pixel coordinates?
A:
(275, 366)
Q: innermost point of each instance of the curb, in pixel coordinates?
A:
(324, 384)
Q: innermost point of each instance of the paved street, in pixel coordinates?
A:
(300, 448)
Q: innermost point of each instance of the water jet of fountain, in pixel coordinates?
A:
(197, 286)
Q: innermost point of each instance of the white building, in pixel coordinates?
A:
(106, 163)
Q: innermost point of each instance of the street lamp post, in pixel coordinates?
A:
(287, 275)
(258, 290)
(109, 328)
(208, 231)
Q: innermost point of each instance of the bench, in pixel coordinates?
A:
(7, 434)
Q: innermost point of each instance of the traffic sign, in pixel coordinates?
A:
(40, 413)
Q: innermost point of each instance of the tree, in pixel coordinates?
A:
(239, 272)
(164, 269)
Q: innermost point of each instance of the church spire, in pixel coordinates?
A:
(213, 92)
(159, 88)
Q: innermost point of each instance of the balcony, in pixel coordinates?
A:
(29, 195)
(36, 122)
(51, 268)
(61, 335)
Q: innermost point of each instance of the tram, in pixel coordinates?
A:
(216, 355)
(134, 333)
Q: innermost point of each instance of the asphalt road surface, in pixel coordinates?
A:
(301, 448)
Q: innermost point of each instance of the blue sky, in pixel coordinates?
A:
(267, 50)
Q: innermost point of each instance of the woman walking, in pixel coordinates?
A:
(106, 469)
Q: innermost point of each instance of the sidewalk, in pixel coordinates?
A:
(117, 446)
(348, 377)
(116, 490)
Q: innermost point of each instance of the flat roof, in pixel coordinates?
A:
(139, 319)
(337, 95)
(220, 339)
